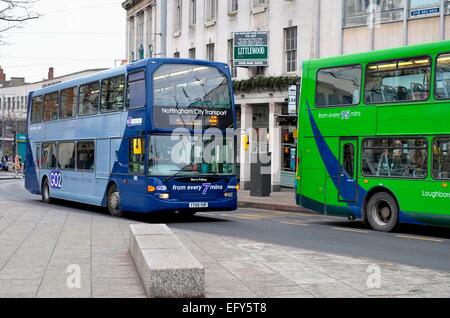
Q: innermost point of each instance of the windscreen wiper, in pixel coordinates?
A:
(178, 172)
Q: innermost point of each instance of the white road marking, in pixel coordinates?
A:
(294, 223)
(346, 229)
(420, 238)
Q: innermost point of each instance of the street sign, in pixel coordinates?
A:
(251, 48)
(425, 12)
(292, 96)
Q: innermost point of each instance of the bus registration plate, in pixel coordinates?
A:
(197, 205)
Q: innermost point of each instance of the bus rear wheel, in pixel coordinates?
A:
(382, 212)
(114, 201)
(46, 192)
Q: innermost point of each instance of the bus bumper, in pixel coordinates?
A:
(155, 205)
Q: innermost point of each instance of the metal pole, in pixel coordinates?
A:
(3, 125)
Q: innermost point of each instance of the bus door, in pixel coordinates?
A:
(135, 187)
(37, 159)
(347, 176)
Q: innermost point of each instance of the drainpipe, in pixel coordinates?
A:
(163, 9)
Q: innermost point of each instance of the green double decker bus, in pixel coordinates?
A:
(374, 136)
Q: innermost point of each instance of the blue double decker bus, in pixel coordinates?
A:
(135, 139)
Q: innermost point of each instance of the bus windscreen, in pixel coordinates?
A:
(191, 96)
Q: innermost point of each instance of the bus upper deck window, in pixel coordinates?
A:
(443, 77)
(36, 109)
(136, 90)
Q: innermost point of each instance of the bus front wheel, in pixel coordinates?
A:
(114, 201)
(46, 192)
(382, 212)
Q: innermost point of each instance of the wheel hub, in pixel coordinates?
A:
(114, 200)
(383, 213)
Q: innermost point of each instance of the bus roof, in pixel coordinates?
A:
(116, 72)
(381, 55)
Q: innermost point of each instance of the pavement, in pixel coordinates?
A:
(283, 200)
(51, 250)
(8, 175)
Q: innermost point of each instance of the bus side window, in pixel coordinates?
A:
(113, 91)
(136, 156)
(36, 109)
(136, 90)
(85, 155)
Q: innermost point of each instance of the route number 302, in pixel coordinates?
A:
(55, 180)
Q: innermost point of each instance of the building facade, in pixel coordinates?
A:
(14, 101)
(296, 30)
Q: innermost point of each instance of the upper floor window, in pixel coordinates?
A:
(136, 90)
(339, 86)
(233, 6)
(177, 18)
(211, 10)
(259, 3)
(398, 81)
(210, 52)
(68, 104)
(89, 99)
(51, 102)
(365, 12)
(443, 77)
(415, 4)
(290, 40)
(192, 12)
(113, 94)
(233, 69)
(36, 109)
(192, 53)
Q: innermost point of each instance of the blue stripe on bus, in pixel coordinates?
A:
(334, 167)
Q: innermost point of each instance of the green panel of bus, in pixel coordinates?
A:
(374, 136)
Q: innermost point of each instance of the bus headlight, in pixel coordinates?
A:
(164, 196)
(229, 194)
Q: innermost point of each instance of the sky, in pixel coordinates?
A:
(71, 35)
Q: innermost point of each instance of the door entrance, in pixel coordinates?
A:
(347, 176)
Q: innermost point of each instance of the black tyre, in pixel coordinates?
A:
(46, 192)
(382, 212)
(114, 201)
